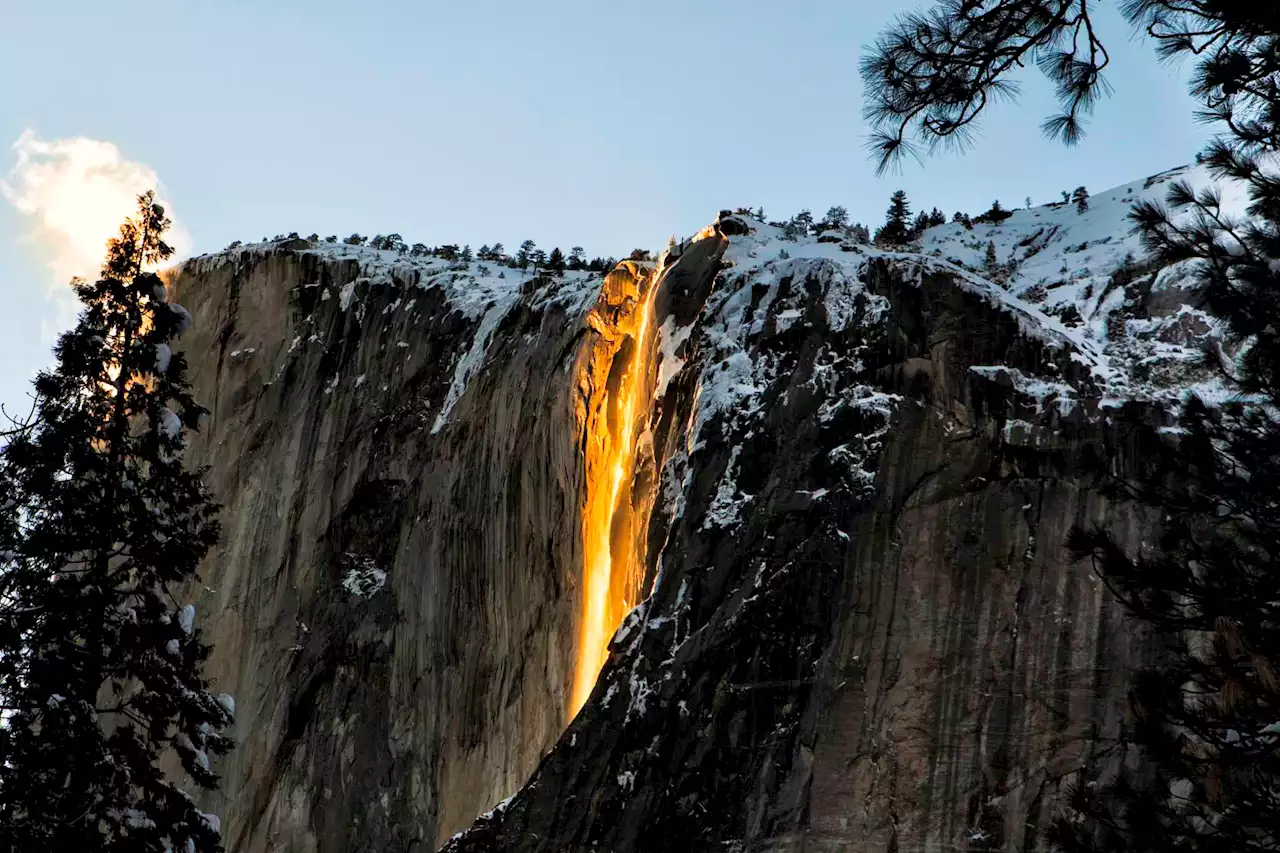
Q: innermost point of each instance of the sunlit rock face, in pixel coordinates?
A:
(616, 382)
(828, 485)
(395, 599)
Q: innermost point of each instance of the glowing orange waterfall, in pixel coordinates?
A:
(613, 567)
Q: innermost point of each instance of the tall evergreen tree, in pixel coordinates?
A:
(1081, 197)
(556, 261)
(921, 224)
(1206, 719)
(577, 259)
(525, 255)
(990, 261)
(897, 227)
(100, 664)
(837, 218)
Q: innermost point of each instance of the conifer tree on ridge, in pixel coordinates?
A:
(896, 228)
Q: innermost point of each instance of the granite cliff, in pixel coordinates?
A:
(819, 490)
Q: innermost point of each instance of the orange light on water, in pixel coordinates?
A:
(612, 564)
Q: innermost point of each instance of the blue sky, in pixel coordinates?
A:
(606, 125)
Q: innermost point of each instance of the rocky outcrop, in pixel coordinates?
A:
(848, 493)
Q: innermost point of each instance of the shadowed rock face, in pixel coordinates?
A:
(973, 666)
(900, 661)
(862, 633)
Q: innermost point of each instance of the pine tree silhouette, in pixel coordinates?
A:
(837, 217)
(525, 255)
(990, 262)
(100, 664)
(896, 228)
(1081, 197)
(556, 261)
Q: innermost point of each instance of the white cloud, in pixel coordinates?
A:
(75, 193)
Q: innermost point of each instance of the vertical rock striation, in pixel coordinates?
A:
(973, 666)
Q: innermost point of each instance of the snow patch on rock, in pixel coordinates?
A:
(470, 361)
(170, 424)
(670, 340)
(363, 577)
(1037, 388)
(187, 618)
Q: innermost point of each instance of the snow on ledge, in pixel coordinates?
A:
(363, 578)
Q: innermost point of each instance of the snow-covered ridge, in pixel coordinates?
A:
(1088, 273)
(1073, 279)
(764, 257)
(766, 246)
(1064, 250)
(472, 287)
